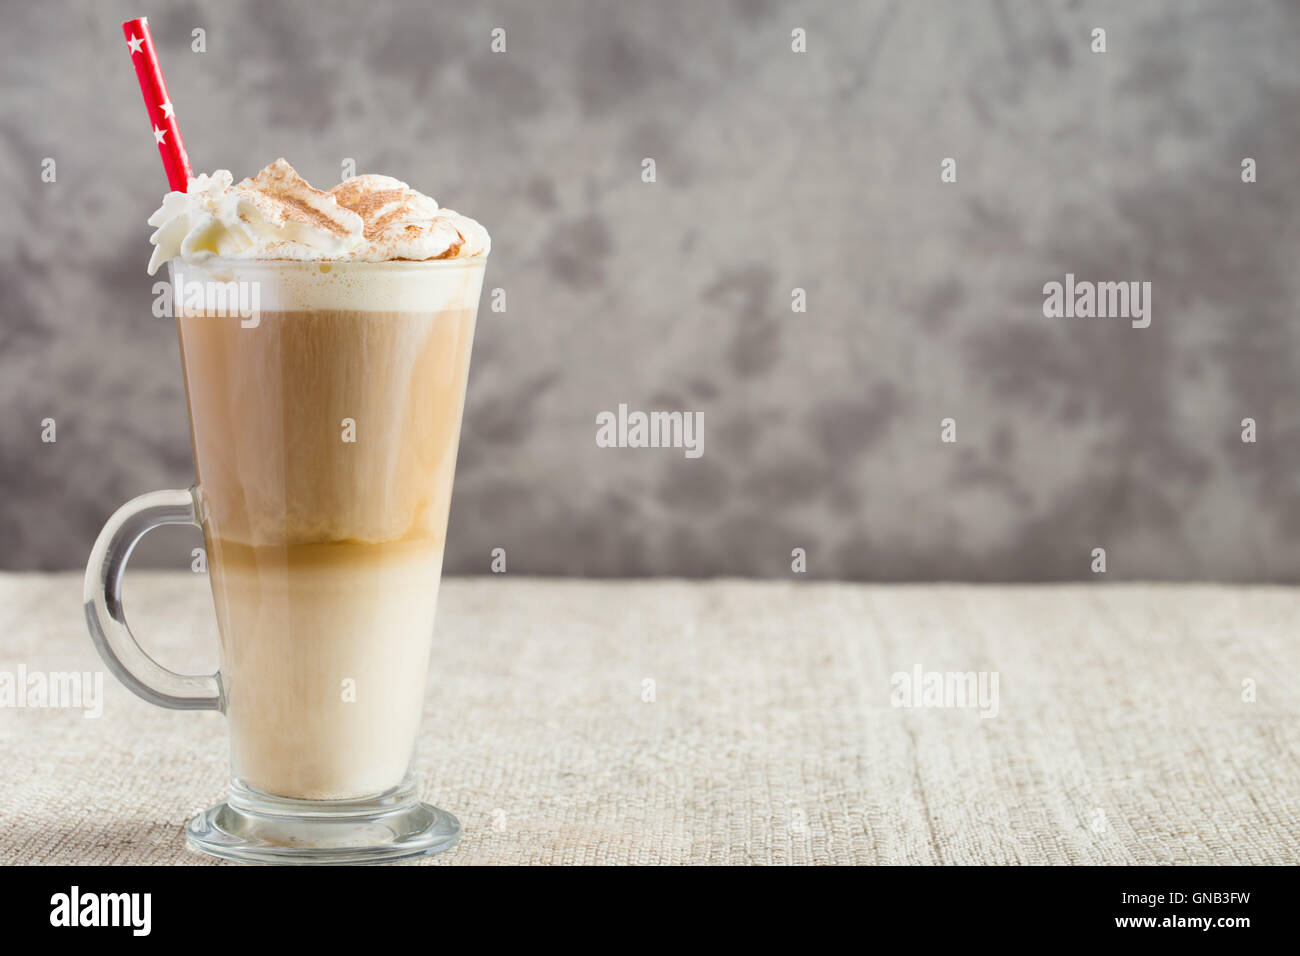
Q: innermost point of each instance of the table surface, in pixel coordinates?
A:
(1134, 724)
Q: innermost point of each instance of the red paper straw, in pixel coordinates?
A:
(161, 115)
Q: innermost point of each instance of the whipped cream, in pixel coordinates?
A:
(278, 215)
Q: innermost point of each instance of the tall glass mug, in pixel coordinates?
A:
(325, 402)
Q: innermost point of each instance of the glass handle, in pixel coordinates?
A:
(107, 621)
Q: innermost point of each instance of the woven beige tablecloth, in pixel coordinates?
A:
(1122, 735)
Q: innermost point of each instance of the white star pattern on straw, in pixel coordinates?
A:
(158, 134)
(135, 43)
(168, 110)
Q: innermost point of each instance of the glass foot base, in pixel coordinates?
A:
(272, 830)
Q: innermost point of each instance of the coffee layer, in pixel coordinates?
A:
(329, 425)
(326, 426)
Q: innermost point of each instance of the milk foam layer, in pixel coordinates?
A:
(292, 286)
(278, 215)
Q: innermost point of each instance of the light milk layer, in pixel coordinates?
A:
(325, 652)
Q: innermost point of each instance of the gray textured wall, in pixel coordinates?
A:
(775, 170)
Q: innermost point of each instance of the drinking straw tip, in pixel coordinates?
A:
(162, 115)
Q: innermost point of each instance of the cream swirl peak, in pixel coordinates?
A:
(278, 215)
